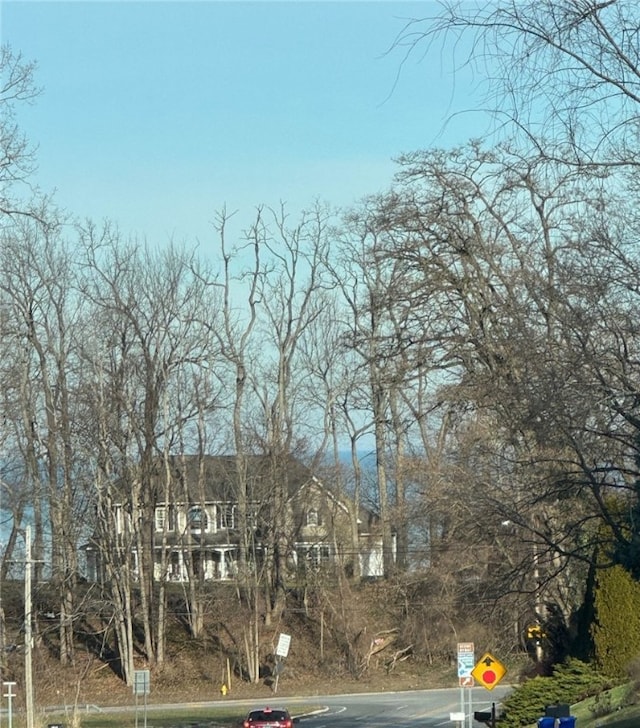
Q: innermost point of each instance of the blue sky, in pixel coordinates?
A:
(156, 114)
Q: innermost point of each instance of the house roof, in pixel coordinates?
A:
(215, 477)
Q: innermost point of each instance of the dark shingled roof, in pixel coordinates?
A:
(215, 477)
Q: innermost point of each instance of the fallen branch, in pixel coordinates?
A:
(398, 656)
(380, 642)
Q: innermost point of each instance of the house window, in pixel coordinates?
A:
(313, 555)
(198, 565)
(313, 517)
(252, 516)
(119, 520)
(198, 519)
(165, 517)
(226, 516)
(175, 567)
(122, 520)
(321, 555)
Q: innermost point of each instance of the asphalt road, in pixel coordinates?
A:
(415, 709)
(411, 709)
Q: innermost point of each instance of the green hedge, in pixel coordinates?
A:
(570, 682)
(616, 629)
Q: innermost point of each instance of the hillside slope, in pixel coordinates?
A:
(352, 643)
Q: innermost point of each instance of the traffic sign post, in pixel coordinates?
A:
(141, 686)
(465, 659)
(9, 695)
(284, 642)
(465, 666)
(282, 650)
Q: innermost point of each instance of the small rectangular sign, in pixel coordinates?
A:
(141, 682)
(282, 650)
(466, 659)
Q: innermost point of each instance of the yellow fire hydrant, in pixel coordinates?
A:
(224, 689)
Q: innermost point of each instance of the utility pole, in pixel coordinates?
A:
(28, 639)
(538, 606)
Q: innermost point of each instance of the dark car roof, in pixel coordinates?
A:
(268, 715)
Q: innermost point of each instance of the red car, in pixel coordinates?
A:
(268, 718)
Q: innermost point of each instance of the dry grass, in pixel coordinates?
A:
(194, 670)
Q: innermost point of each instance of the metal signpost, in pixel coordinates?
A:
(284, 642)
(465, 679)
(282, 650)
(141, 685)
(488, 671)
(9, 695)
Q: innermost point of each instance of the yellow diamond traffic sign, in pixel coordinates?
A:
(488, 671)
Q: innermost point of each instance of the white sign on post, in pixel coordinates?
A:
(465, 678)
(282, 650)
(141, 682)
(466, 660)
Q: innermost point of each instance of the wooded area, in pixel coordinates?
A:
(475, 331)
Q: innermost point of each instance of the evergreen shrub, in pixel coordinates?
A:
(570, 682)
(633, 695)
(616, 630)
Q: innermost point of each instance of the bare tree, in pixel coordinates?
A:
(487, 246)
(337, 382)
(235, 339)
(566, 73)
(18, 195)
(289, 303)
(39, 285)
(366, 279)
(153, 308)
